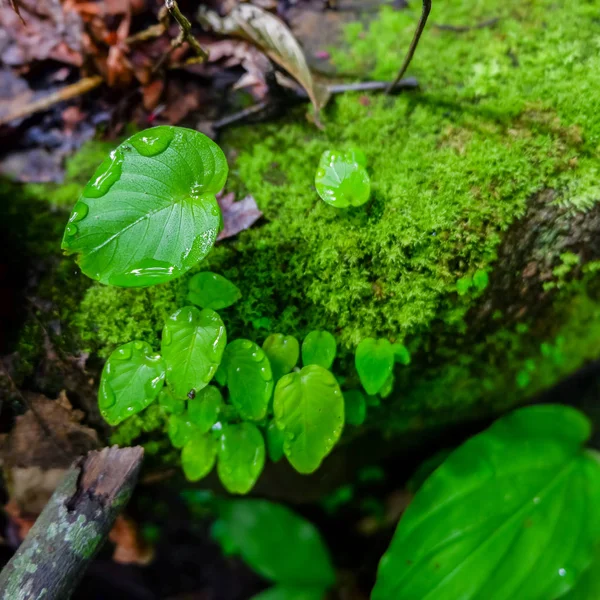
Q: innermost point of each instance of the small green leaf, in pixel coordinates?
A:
(341, 181)
(181, 430)
(198, 457)
(319, 348)
(309, 408)
(374, 362)
(286, 592)
(149, 213)
(278, 544)
(209, 290)
(283, 352)
(203, 410)
(275, 439)
(241, 457)
(401, 354)
(249, 378)
(355, 407)
(193, 342)
(169, 403)
(463, 285)
(510, 514)
(131, 380)
(480, 280)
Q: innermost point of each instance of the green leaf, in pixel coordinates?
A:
(588, 584)
(355, 407)
(481, 280)
(149, 212)
(198, 457)
(209, 290)
(512, 513)
(401, 354)
(341, 181)
(181, 430)
(241, 457)
(131, 380)
(169, 403)
(278, 544)
(388, 386)
(249, 378)
(374, 362)
(275, 439)
(319, 348)
(283, 352)
(463, 285)
(193, 342)
(204, 409)
(309, 408)
(286, 592)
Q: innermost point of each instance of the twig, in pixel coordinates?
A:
(73, 526)
(66, 93)
(413, 45)
(465, 28)
(14, 4)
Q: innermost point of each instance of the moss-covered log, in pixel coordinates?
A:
(72, 527)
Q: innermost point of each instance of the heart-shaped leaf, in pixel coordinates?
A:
(131, 380)
(374, 362)
(355, 407)
(210, 290)
(309, 408)
(261, 529)
(283, 352)
(249, 378)
(198, 457)
(181, 430)
(401, 354)
(192, 345)
(241, 457)
(341, 181)
(275, 439)
(149, 213)
(204, 408)
(510, 514)
(319, 348)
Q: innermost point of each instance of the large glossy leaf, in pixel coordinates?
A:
(149, 213)
(309, 409)
(588, 584)
(342, 181)
(275, 440)
(241, 457)
(210, 290)
(272, 36)
(192, 345)
(204, 408)
(131, 380)
(286, 592)
(319, 348)
(283, 352)
(249, 378)
(374, 361)
(510, 514)
(198, 457)
(278, 544)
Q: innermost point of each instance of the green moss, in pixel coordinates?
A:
(503, 113)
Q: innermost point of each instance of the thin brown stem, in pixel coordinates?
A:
(185, 30)
(413, 45)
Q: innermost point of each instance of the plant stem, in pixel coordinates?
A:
(186, 30)
(413, 45)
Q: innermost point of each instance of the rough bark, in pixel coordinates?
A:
(72, 527)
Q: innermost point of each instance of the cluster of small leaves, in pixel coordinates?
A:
(279, 545)
(223, 400)
(506, 515)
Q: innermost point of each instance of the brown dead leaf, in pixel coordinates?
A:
(273, 37)
(131, 549)
(237, 216)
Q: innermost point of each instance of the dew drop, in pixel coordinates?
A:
(124, 353)
(265, 374)
(109, 398)
(245, 344)
(152, 142)
(80, 211)
(71, 230)
(107, 174)
(138, 345)
(167, 337)
(320, 173)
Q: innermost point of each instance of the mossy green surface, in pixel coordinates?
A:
(503, 113)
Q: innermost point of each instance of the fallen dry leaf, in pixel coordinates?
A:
(237, 216)
(272, 36)
(130, 548)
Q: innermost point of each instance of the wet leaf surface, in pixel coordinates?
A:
(341, 180)
(374, 362)
(199, 456)
(211, 290)
(283, 352)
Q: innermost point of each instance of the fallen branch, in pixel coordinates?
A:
(413, 45)
(73, 526)
(66, 93)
